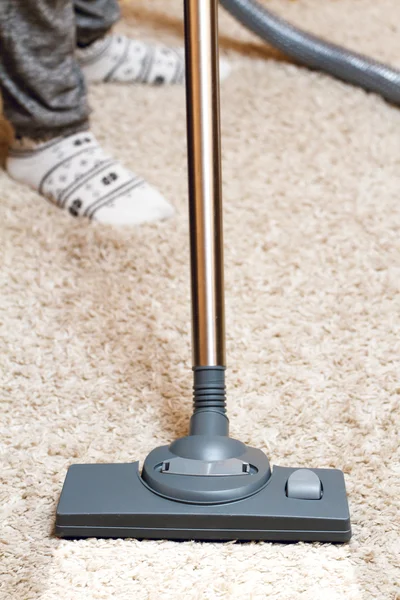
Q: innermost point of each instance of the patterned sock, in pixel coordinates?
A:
(117, 58)
(77, 175)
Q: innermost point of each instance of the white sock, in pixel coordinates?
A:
(77, 175)
(117, 58)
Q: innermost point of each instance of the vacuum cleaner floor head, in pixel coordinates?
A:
(113, 501)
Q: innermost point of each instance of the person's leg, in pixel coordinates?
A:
(45, 101)
(94, 19)
(41, 83)
(106, 57)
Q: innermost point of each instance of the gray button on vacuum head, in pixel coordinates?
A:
(304, 484)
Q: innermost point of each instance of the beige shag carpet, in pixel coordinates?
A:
(95, 330)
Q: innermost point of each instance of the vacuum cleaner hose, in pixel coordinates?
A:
(312, 52)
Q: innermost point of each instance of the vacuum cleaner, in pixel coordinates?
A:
(207, 485)
(313, 52)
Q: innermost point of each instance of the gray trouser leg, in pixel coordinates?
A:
(94, 18)
(41, 83)
(43, 90)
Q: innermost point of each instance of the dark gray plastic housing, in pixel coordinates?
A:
(112, 501)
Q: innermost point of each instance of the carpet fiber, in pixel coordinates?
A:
(95, 326)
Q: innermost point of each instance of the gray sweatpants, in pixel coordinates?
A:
(40, 81)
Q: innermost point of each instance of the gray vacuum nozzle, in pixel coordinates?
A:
(111, 501)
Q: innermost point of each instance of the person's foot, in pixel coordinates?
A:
(77, 175)
(117, 58)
